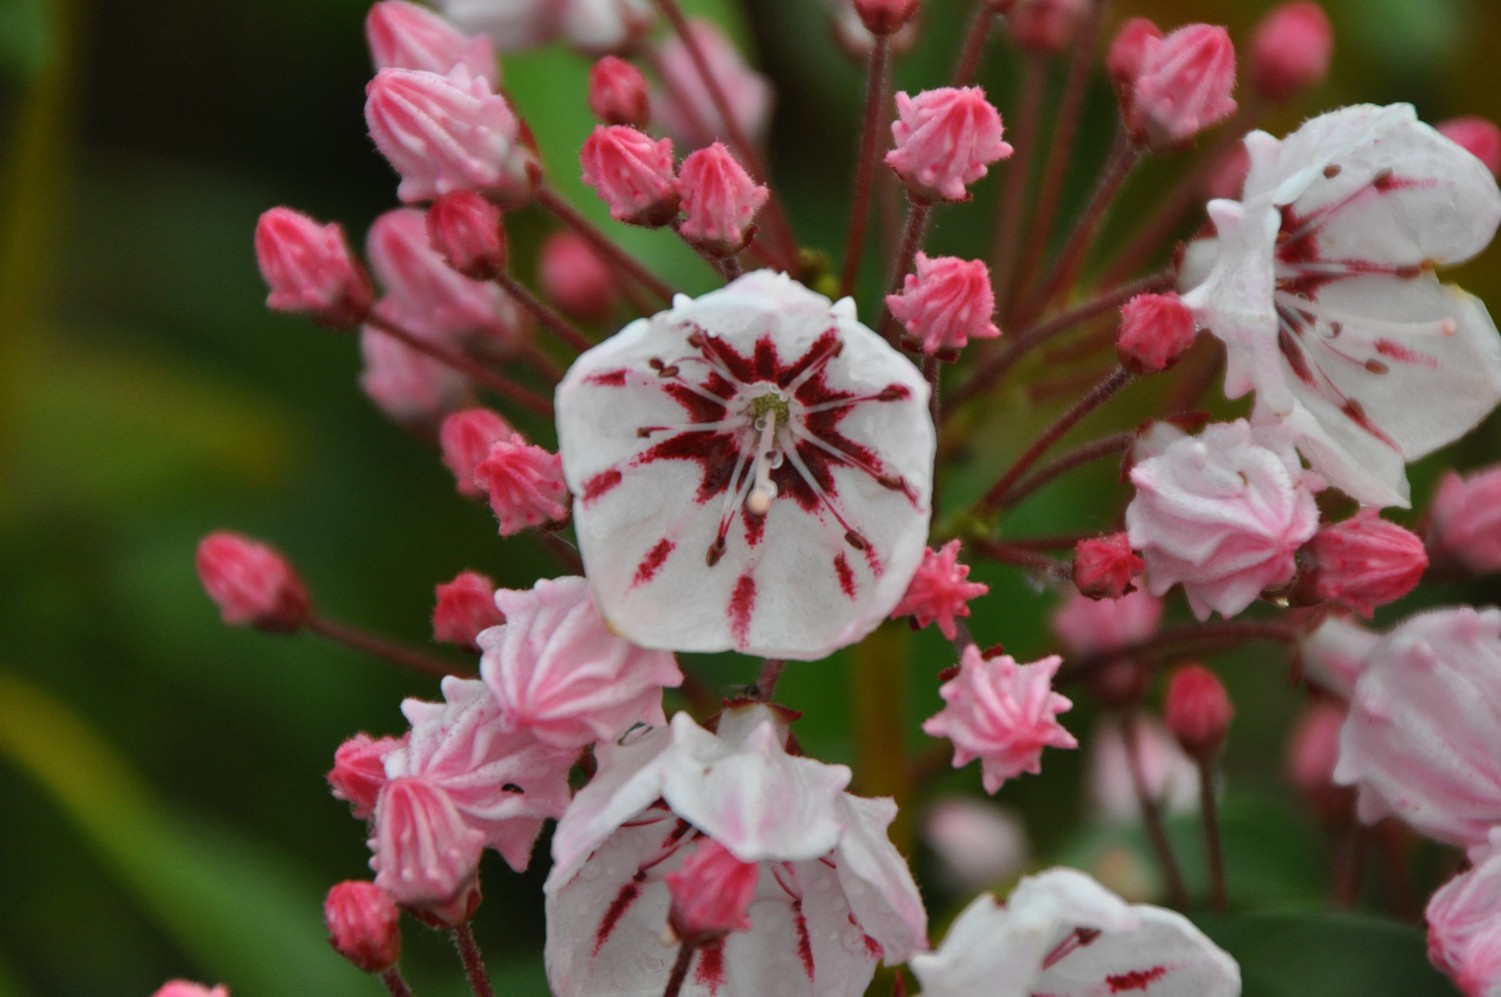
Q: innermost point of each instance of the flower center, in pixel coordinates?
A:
(768, 409)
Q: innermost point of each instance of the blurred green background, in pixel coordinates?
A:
(161, 777)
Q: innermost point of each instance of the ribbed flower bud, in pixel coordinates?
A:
(1365, 562)
(1183, 87)
(465, 607)
(359, 771)
(466, 229)
(1104, 567)
(252, 584)
(632, 173)
(945, 141)
(945, 304)
(363, 925)
(466, 438)
(618, 94)
(424, 854)
(310, 270)
(405, 36)
(1198, 710)
(711, 893)
(525, 484)
(720, 201)
(1156, 330)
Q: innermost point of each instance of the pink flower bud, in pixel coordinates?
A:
(1477, 136)
(1128, 52)
(1365, 562)
(466, 229)
(359, 771)
(424, 854)
(720, 201)
(525, 484)
(885, 17)
(939, 591)
(1464, 923)
(445, 133)
(465, 606)
(598, 27)
(1184, 86)
(412, 388)
(1105, 566)
(405, 36)
(1464, 522)
(632, 174)
(252, 584)
(1312, 751)
(310, 269)
(1044, 26)
(617, 93)
(711, 893)
(684, 107)
(1156, 329)
(1198, 710)
(466, 438)
(575, 278)
(945, 304)
(182, 988)
(945, 140)
(1088, 626)
(855, 39)
(362, 925)
(1227, 178)
(1290, 50)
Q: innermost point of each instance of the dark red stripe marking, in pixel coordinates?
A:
(652, 562)
(601, 483)
(742, 604)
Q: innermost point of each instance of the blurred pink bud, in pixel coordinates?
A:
(939, 591)
(466, 230)
(1290, 50)
(525, 484)
(1464, 923)
(444, 133)
(575, 277)
(464, 608)
(1128, 53)
(1312, 751)
(1335, 654)
(182, 988)
(885, 17)
(1365, 562)
(945, 304)
(1171, 777)
(712, 892)
(424, 854)
(977, 843)
(720, 201)
(855, 39)
(945, 140)
(412, 388)
(1044, 26)
(466, 438)
(1156, 329)
(363, 927)
(617, 93)
(1089, 626)
(1464, 522)
(631, 173)
(359, 771)
(686, 110)
(598, 27)
(405, 36)
(1105, 566)
(252, 584)
(1183, 87)
(1198, 710)
(310, 270)
(1227, 178)
(1478, 136)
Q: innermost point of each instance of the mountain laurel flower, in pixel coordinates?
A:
(251, 583)
(1002, 713)
(448, 132)
(360, 771)
(466, 230)
(1323, 291)
(1044, 27)
(945, 140)
(1479, 137)
(1061, 933)
(310, 270)
(425, 856)
(465, 439)
(1224, 513)
(184, 988)
(1464, 923)
(712, 892)
(945, 304)
(939, 591)
(720, 201)
(575, 278)
(737, 442)
(1128, 52)
(1106, 567)
(410, 387)
(1423, 739)
(464, 608)
(556, 670)
(885, 17)
(1365, 562)
(363, 926)
(618, 94)
(405, 36)
(684, 107)
(1464, 522)
(599, 27)
(525, 484)
(1290, 50)
(1183, 86)
(632, 173)
(1156, 329)
(1198, 710)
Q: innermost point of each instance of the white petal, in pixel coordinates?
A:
(1165, 956)
(882, 895)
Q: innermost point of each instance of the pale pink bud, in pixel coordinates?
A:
(575, 278)
(466, 230)
(1128, 52)
(363, 925)
(597, 27)
(405, 36)
(359, 771)
(466, 438)
(1365, 562)
(712, 892)
(1290, 50)
(1198, 710)
(1090, 626)
(1464, 923)
(183, 988)
(445, 133)
(1312, 752)
(1044, 26)
(685, 108)
(945, 304)
(1184, 86)
(1335, 653)
(1156, 329)
(424, 854)
(854, 38)
(885, 17)
(720, 201)
(1464, 522)
(412, 388)
(310, 270)
(977, 844)
(1105, 566)
(632, 174)
(939, 590)
(617, 93)
(252, 584)
(525, 484)
(1477, 136)
(465, 607)
(1227, 178)
(945, 140)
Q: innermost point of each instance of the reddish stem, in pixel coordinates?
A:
(1025, 557)
(1200, 638)
(395, 985)
(1209, 808)
(602, 244)
(1150, 815)
(877, 82)
(771, 673)
(379, 647)
(550, 317)
(974, 46)
(1115, 443)
(474, 963)
(918, 213)
(679, 970)
(1013, 204)
(477, 372)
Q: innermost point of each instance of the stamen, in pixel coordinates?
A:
(765, 490)
(1445, 326)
